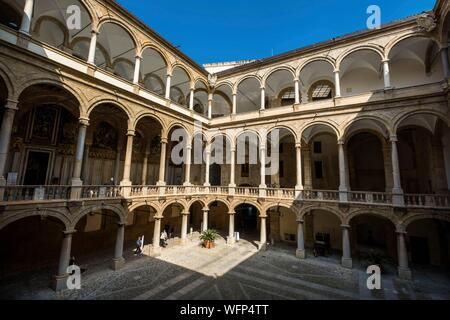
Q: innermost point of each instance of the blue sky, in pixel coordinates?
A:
(214, 31)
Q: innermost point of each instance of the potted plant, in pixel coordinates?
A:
(208, 237)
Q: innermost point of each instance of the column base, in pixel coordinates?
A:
(398, 199)
(75, 190)
(118, 263)
(404, 273)
(262, 246)
(231, 240)
(300, 253)
(347, 263)
(187, 184)
(207, 184)
(154, 251)
(60, 282)
(183, 241)
(343, 195)
(299, 192)
(161, 183)
(126, 187)
(262, 190)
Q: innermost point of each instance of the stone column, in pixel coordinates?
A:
(231, 239)
(297, 91)
(233, 111)
(76, 173)
(156, 249)
(263, 98)
(300, 253)
(162, 163)
(308, 168)
(205, 219)
(85, 166)
(403, 269)
(184, 223)
(191, 99)
(92, 47)
(445, 65)
(232, 167)
(145, 164)
(346, 252)
(60, 280)
(187, 171)
(262, 158)
(298, 158)
(343, 188)
(337, 84)
(169, 78)
(210, 101)
(118, 261)
(207, 164)
(386, 74)
(263, 233)
(128, 157)
(5, 137)
(397, 192)
(26, 18)
(137, 70)
(117, 165)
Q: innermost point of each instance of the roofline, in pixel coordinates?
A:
(321, 45)
(156, 35)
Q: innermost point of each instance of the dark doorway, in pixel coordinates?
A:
(419, 250)
(215, 174)
(246, 219)
(36, 170)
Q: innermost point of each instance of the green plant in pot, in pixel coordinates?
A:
(208, 237)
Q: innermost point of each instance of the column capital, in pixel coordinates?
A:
(138, 56)
(341, 142)
(205, 209)
(11, 104)
(301, 221)
(184, 213)
(263, 216)
(231, 213)
(131, 132)
(393, 138)
(336, 70)
(156, 217)
(121, 224)
(298, 145)
(345, 226)
(385, 60)
(69, 232)
(262, 146)
(164, 140)
(83, 122)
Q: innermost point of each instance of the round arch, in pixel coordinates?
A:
(280, 68)
(303, 211)
(413, 34)
(403, 225)
(327, 124)
(285, 127)
(179, 202)
(386, 216)
(145, 114)
(23, 214)
(151, 46)
(241, 80)
(374, 48)
(372, 123)
(117, 104)
(304, 64)
(397, 121)
(118, 210)
(108, 19)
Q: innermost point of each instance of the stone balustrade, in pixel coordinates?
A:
(25, 194)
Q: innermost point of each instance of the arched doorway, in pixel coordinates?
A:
(246, 220)
(374, 241)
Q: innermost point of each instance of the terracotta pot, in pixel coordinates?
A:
(208, 244)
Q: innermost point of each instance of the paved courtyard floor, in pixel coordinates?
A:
(226, 272)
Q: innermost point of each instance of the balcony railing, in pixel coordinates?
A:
(9, 194)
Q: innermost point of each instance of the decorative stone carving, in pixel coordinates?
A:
(212, 80)
(426, 22)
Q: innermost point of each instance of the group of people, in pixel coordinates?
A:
(166, 234)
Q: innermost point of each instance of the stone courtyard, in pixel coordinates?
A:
(240, 272)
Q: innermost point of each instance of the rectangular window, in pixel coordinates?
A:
(317, 147)
(318, 169)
